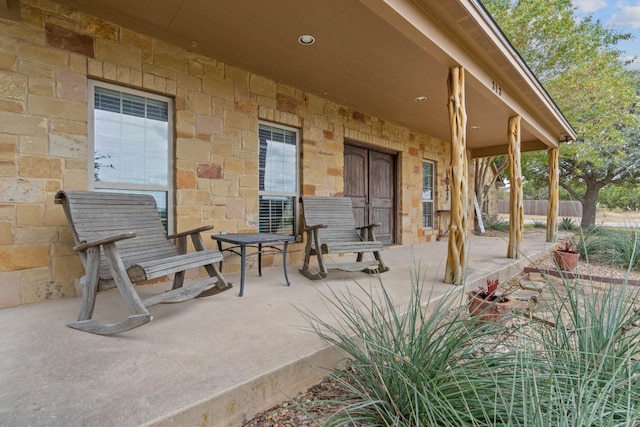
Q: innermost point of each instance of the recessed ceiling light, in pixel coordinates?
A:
(421, 98)
(306, 39)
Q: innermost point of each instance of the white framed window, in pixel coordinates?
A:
(278, 179)
(131, 138)
(428, 190)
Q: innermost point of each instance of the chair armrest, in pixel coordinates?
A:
(368, 227)
(314, 227)
(190, 232)
(110, 239)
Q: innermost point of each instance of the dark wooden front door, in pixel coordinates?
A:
(369, 180)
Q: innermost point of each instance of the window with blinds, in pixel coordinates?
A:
(427, 194)
(278, 179)
(131, 134)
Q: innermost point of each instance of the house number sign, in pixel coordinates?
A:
(496, 88)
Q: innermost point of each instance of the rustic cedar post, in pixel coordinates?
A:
(516, 210)
(457, 253)
(552, 210)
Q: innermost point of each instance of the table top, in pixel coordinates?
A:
(252, 238)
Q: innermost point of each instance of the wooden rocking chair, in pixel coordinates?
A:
(121, 241)
(331, 229)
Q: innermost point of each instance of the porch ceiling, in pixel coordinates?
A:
(376, 56)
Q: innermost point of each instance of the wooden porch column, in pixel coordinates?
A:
(516, 208)
(552, 210)
(457, 252)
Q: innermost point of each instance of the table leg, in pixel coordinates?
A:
(243, 258)
(220, 249)
(284, 262)
(260, 259)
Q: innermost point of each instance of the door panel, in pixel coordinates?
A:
(370, 183)
(356, 184)
(381, 194)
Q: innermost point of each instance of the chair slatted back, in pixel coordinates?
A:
(94, 215)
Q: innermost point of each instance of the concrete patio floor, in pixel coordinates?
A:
(214, 361)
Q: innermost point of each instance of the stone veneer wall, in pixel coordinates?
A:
(45, 60)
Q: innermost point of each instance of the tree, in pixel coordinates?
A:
(487, 171)
(578, 63)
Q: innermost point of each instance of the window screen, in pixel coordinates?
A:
(427, 194)
(278, 179)
(131, 138)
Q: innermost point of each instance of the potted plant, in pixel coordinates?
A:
(566, 257)
(489, 304)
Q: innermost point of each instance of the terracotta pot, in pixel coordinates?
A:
(566, 261)
(487, 310)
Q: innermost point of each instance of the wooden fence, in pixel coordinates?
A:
(539, 208)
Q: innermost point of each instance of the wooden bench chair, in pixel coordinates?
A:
(121, 241)
(331, 229)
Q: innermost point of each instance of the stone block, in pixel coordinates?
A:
(237, 120)
(42, 87)
(218, 87)
(185, 130)
(99, 27)
(32, 69)
(21, 124)
(22, 190)
(69, 146)
(32, 15)
(69, 127)
(67, 267)
(209, 124)
(191, 149)
(71, 85)
(54, 215)
(8, 61)
(158, 71)
(199, 103)
(94, 68)
(21, 257)
(6, 233)
(40, 167)
(191, 83)
(223, 187)
(210, 171)
(233, 165)
(42, 55)
(12, 106)
(116, 54)
(46, 291)
(185, 179)
(8, 212)
(8, 168)
(78, 63)
(61, 23)
(57, 108)
(192, 197)
(262, 86)
(13, 86)
(75, 179)
(135, 40)
(33, 235)
(29, 215)
(169, 56)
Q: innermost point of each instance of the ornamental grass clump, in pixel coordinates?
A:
(431, 365)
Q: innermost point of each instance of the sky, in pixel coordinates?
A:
(621, 15)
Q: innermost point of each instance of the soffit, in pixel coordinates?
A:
(372, 55)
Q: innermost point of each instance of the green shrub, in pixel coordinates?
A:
(618, 247)
(567, 224)
(539, 224)
(413, 368)
(495, 222)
